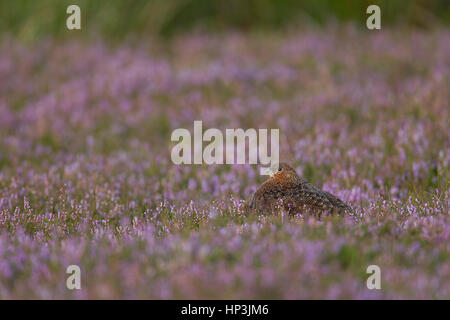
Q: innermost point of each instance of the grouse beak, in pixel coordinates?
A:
(267, 171)
(272, 172)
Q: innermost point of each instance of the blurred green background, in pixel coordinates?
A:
(115, 19)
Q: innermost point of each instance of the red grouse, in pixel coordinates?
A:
(295, 195)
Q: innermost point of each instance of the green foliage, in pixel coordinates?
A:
(115, 19)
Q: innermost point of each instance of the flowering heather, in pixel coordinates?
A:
(86, 176)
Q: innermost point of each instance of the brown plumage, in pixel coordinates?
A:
(296, 194)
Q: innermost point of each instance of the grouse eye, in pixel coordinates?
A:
(279, 169)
